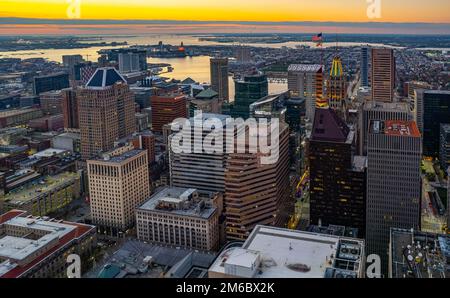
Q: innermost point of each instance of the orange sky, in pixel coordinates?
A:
(234, 10)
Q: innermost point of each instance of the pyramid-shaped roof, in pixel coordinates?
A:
(328, 126)
(105, 77)
(188, 81)
(207, 94)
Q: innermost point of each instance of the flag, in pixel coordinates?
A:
(318, 39)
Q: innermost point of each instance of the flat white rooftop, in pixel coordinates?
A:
(284, 253)
(18, 248)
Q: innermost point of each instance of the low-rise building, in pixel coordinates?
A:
(182, 217)
(271, 252)
(18, 116)
(38, 247)
(45, 195)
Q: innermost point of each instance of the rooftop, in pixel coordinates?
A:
(208, 93)
(21, 253)
(329, 127)
(305, 67)
(283, 253)
(130, 258)
(120, 158)
(395, 128)
(10, 113)
(39, 187)
(180, 201)
(419, 255)
(105, 77)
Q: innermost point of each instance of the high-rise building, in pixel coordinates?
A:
(56, 81)
(118, 184)
(70, 109)
(219, 77)
(444, 154)
(257, 193)
(383, 74)
(306, 82)
(364, 65)
(198, 169)
(183, 217)
(433, 109)
(71, 60)
(336, 85)
(338, 178)
(51, 102)
(106, 111)
(410, 87)
(295, 113)
(128, 62)
(166, 108)
(448, 197)
(394, 153)
(243, 54)
(248, 90)
(380, 111)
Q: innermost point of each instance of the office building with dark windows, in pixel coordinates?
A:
(338, 177)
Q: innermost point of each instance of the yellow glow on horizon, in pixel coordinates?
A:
(433, 11)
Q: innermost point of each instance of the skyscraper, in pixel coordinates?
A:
(118, 184)
(248, 90)
(166, 108)
(337, 177)
(379, 111)
(243, 54)
(55, 81)
(219, 77)
(306, 82)
(436, 111)
(70, 109)
(256, 193)
(364, 65)
(444, 153)
(383, 74)
(106, 111)
(198, 169)
(394, 155)
(336, 85)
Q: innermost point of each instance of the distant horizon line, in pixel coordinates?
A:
(59, 21)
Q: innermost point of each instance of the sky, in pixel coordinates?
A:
(220, 16)
(433, 11)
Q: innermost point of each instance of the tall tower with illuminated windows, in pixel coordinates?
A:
(336, 85)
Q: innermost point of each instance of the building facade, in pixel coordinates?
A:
(37, 247)
(436, 111)
(383, 74)
(257, 193)
(118, 184)
(364, 66)
(337, 177)
(306, 82)
(166, 108)
(182, 217)
(106, 112)
(393, 182)
(219, 77)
